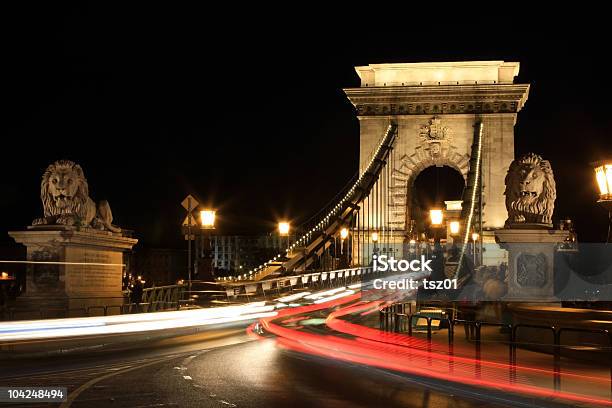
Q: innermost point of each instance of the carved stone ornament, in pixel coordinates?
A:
(530, 192)
(65, 197)
(531, 270)
(435, 137)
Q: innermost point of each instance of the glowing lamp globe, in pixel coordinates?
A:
(344, 233)
(283, 228)
(603, 175)
(207, 219)
(436, 217)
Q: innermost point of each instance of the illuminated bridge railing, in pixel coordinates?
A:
(245, 290)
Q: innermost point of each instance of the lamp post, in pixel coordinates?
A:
(343, 235)
(436, 216)
(475, 237)
(374, 238)
(283, 230)
(207, 224)
(603, 175)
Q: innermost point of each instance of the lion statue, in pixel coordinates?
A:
(65, 197)
(530, 191)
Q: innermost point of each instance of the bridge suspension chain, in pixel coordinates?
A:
(313, 242)
(472, 190)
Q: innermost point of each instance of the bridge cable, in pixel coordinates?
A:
(472, 193)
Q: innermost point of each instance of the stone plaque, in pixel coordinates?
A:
(96, 271)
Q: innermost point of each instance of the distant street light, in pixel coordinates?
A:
(603, 174)
(454, 227)
(374, 238)
(343, 235)
(283, 228)
(436, 217)
(475, 237)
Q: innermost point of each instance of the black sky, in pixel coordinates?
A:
(249, 114)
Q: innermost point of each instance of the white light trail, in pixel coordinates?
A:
(325, 293)
(293, 297)
(338, 296)
(105, 325)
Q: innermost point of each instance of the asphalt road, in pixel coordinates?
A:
(222, 368)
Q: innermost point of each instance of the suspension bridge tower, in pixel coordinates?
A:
(456, 114)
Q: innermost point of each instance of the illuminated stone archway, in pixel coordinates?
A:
(436, 107)
(434, 147)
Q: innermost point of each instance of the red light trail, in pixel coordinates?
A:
(403, 353)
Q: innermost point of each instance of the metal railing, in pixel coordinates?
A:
(392, 318)
(315, 280)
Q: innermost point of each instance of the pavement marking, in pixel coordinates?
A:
(187, 377)
(75, 394)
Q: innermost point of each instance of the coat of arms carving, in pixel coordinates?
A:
(531, 270)
(435, 136)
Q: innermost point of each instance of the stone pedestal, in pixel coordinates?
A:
(75, 268)
(531, 254)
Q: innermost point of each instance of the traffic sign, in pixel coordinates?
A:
(190, 203)
(187, 223)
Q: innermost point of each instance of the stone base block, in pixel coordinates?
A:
(530, 262)
(72, 268)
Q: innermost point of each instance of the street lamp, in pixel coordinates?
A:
(475, 237)
(207, 219)
(207, 224)
(603, 174)
(343, 235)
(283, 231)
(374, 238)
(454, 227)
(283, 228)
(436, 217)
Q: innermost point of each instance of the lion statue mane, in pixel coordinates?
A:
(530, 191)
(65, 197)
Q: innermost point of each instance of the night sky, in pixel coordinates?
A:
(249, 114)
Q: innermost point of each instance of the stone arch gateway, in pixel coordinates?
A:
(436, 107)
